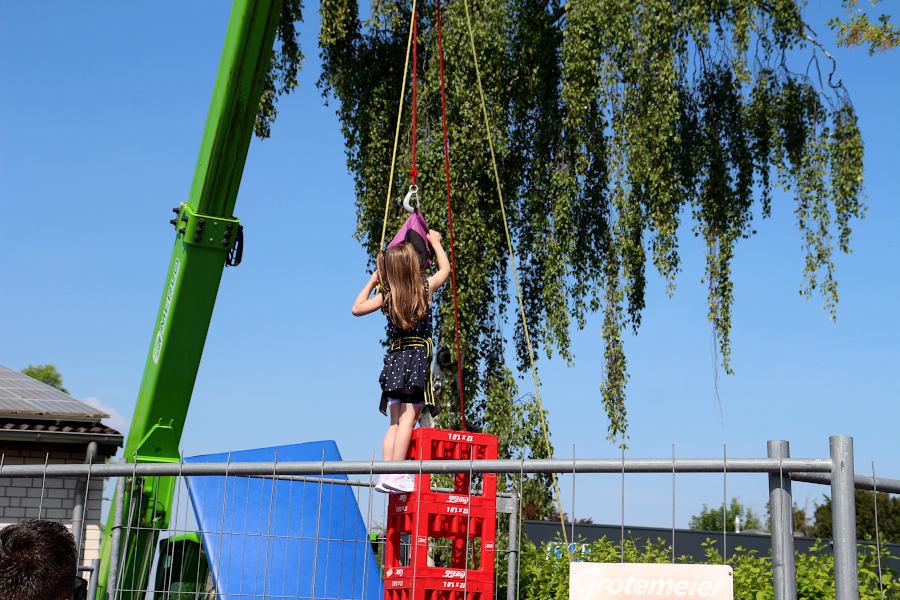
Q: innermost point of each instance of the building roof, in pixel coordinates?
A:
(34, 412)
(22, 397)
(56, 427)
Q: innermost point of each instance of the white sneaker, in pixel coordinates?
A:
(403, 484)
(390, 484)
(380, 486)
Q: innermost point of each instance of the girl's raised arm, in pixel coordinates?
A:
(440, 276)
(363, 305)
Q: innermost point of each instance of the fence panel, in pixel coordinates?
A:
(304, 530)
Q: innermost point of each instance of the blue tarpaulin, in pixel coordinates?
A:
(275, 538)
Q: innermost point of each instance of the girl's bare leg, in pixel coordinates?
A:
(387, 447)
(408, 415)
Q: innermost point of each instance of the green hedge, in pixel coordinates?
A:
(544, 572)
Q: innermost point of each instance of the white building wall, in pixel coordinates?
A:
(51, 498)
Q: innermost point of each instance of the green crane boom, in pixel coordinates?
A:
(206, 232)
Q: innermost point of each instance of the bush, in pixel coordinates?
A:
(544, 572)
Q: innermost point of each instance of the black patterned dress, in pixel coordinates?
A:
(406, 375)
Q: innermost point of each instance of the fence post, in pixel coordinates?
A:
(116, 533)
(81, 495)
(781, 508)
(92, 582)
(843, 518)
(512, 556)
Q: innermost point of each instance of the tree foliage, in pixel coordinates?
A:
(888, 517)
(802, 523)
(617, 125)
(46, 374)
(710, 519)
(282, 76)
(544, 572)
(518, 429)
(857, 29)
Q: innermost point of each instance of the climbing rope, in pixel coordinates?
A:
(410, 49)
(512, 259)
(413, 171)
(459, 357)
(387, 201)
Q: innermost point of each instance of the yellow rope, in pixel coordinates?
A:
(512, 258)
(387, 201)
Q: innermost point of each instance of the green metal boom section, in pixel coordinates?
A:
(206, 231)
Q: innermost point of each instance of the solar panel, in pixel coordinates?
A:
(24, 397)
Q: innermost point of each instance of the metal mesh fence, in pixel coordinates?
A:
(283, 531)
(256, 536)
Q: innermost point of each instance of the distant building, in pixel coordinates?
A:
(39, 424)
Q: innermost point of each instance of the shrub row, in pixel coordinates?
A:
(544, 572)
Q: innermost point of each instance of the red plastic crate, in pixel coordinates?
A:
(442, 444)
(454, 586)
(479, 531)
(484, 495)
(434, 504)
(468, 521)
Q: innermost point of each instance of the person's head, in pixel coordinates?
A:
(37, 560)
(401, 281)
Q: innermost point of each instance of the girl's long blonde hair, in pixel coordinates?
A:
(402, 288)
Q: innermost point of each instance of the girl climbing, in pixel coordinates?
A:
(405, 297)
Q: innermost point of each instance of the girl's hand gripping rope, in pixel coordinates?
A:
(443, 273)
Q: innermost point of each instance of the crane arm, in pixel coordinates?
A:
(205, 233)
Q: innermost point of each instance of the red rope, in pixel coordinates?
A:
(413, 171)
(459, 358)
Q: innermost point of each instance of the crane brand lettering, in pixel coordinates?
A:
(607, 581)
(164, 318)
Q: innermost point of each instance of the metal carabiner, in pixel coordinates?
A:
(411, 195)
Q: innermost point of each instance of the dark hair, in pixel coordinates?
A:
(37, 561)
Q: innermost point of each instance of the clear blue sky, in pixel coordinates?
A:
(103, 108)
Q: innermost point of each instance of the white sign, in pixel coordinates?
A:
(647, 581)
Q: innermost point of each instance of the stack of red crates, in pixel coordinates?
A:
(467, 520)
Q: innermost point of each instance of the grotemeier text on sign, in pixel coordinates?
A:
(642, 581)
